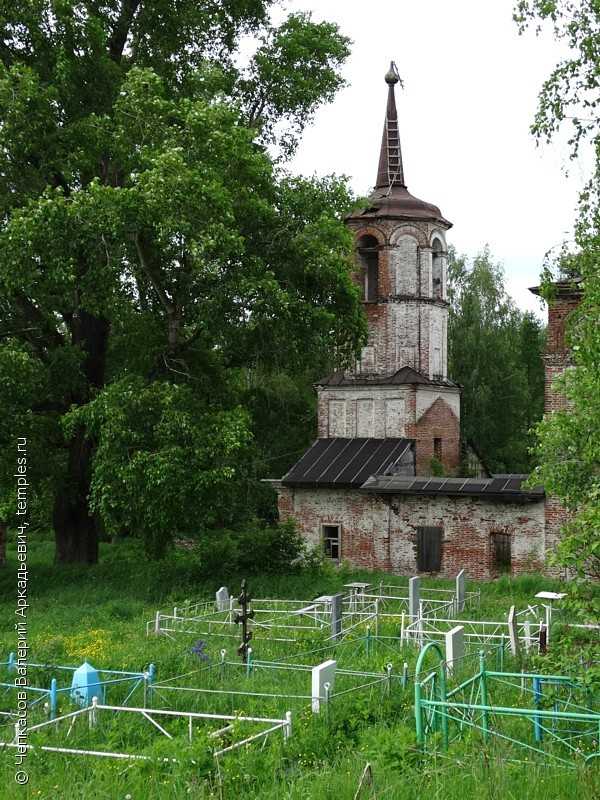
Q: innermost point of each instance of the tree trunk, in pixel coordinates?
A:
(2, 542)
(75, 529)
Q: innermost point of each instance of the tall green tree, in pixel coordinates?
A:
(153, 250)
(495, 353)
(569, 441)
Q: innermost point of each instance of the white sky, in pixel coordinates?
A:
(470, 89)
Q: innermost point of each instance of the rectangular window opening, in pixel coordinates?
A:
(331, 541)
(437, 449)
(429, 549)
(501, 552)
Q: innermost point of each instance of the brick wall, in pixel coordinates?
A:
(438, 422)
(559, 310)
(373, 411)
(557, 359)
(407, 325)
(558, 355)
(381, 533)
(556, 517)
(422, 413)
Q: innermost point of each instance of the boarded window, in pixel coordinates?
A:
(364, 418)
(501, 554)
(331, 542)
(337, 418)
(429, 549)
(394, 417)
(405, 260)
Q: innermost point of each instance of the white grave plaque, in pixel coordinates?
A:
(455, 646)
(322, 674)
(222, 599)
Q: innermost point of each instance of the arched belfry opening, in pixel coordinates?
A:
(368, 258)
(437, 270)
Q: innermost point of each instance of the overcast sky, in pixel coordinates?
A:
(470, 89)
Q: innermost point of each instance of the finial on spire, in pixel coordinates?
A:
(392, 76)
(391, 172)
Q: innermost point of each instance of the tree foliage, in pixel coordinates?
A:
(495, 353)
(572, 90)
(569, 441)
(154, 254)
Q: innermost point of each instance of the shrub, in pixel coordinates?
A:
(258, 548)
(437, 468)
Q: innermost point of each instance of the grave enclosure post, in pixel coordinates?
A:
(513, 632)
(405, 675)
(151, 679)
(537, 699)
(336, 616)
(459, 592)
(53, 698)
(413, 597)
(484, 693)
(527, 633)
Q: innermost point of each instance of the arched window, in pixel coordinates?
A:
(437, 269)
(368, 258)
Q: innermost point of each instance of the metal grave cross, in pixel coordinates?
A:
(242, 617)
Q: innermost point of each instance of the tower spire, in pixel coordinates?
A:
(391, 171)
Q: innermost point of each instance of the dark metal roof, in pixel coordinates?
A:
(498, 487)
(396, 202)
(404, 376)
(572, 288)
(349, 462)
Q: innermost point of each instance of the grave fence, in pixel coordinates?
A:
(562, 725)
(93, 711)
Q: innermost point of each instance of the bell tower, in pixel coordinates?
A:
(402, 264)
(400, 385)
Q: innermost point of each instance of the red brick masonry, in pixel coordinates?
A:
(380, 533)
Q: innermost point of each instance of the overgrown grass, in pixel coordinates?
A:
(99, 613)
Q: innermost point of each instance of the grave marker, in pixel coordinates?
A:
(222, 599)
(336, 615)
(455, 646)
(414, 585)
(322, 674)
(244, 617)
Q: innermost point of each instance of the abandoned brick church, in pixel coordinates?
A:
(364, 490)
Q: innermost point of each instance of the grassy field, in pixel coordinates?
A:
(99, 613)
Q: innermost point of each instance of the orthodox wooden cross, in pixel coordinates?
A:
(242, 617)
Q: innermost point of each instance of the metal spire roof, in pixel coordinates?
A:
(391, 199)
(390, 171)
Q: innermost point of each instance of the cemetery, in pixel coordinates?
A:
(300, 486)
(260, 664)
